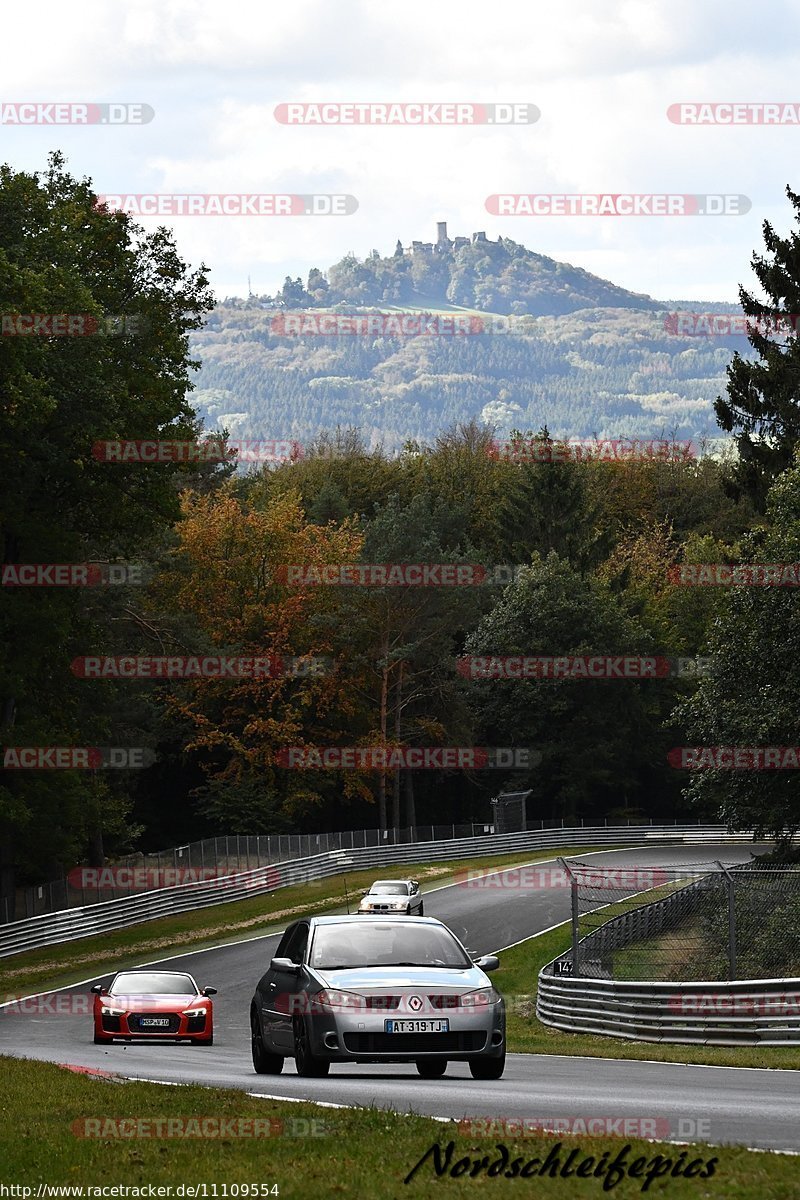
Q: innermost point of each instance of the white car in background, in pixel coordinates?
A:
(393, 896)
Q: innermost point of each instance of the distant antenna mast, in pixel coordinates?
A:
(249, 289)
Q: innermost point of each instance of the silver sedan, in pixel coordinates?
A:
(356, 989)
(393, 896)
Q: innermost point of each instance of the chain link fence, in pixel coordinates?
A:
(688, 922)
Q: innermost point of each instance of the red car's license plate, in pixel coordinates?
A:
(154, 1021)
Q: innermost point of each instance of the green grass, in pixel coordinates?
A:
(517, 979)
(360, 1153)
(58, 966)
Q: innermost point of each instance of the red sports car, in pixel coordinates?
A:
(153, 1004)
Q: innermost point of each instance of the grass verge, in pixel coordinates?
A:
(517, 979)
(58, 966)
(359, 1152)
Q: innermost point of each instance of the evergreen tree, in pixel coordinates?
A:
(762, 406)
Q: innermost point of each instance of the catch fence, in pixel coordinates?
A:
(699, 921)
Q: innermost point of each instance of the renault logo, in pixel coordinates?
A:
(415, 1003)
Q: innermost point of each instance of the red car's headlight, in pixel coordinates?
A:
(193, 1012)
(107, 1011)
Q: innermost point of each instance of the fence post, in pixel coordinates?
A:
(573, 887)
(731, 920)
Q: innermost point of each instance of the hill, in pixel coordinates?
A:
(565, 348)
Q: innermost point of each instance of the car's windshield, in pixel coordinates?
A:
(387, 944)
(152, 983)
(389, 889)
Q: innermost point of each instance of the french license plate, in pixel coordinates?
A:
(423, 1025)
(151, 1022)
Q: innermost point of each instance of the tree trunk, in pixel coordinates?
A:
(411, 810)
(97, 857)
(8, 712)
(396, 791)
(383, 716)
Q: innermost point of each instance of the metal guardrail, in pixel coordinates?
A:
(75, 923)
(748, 1012)
(723, 1013)
(206, 858)
(224, 855)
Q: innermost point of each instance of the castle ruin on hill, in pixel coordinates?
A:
(443, 243)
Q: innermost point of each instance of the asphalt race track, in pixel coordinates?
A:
(757, 1108)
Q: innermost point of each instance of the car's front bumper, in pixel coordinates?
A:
(383, 910)
(128, 1025)
(362, 1037)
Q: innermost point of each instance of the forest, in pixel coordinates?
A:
(556, 556)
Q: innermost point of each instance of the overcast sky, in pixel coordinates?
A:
(603, 76)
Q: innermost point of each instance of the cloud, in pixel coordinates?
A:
(603, 78)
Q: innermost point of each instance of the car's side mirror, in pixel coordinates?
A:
(286, 965)
(97, 989)
(488, 962)
(208, 991)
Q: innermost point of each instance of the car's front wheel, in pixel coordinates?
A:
(487, 1068)
(421, 909)
(263, 1062)
(431, 1068)
(306, 1062)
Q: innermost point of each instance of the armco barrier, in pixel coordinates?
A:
(74, 923)
(747, 1012)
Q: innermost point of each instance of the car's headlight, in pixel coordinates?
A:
(108, 1011)
(481, 998)
(193, 1012)
(332, 1000)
